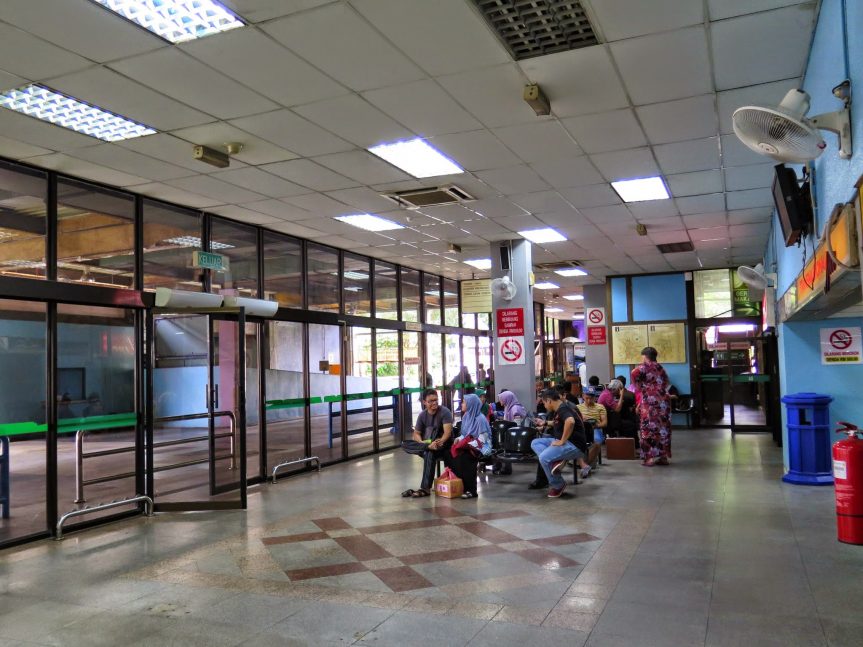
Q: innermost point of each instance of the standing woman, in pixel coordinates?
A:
(654, 409)
(474, 440)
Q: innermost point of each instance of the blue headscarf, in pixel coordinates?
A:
(473, 423)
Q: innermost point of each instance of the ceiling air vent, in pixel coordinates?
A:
(674, 248)
(558, 265)
(430, 197)
(530, 28)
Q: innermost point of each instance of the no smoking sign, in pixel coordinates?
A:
(510, 350)
(841, 345)
(595, 316)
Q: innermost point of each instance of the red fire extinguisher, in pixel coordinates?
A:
(848, 477)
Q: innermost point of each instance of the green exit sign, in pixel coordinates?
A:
(210, 261)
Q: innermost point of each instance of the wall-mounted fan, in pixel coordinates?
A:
(786, 134)
(503, 288)
(755, 279)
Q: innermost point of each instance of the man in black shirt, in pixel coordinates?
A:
(567, 442)
(432, 439)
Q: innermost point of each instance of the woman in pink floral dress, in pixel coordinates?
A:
(652, 383)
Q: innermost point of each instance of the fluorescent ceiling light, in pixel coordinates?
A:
(354, 288)
(194, 241)
(546, 285)
(571, 271)
(416, 157)
(176, 20)
(581, 316)
(546, 235)
(737, 328)
(369, 223)
(61, 110)
(574, 297)
(356, 276)
(641, 189)
(480, 263)
(554, 310)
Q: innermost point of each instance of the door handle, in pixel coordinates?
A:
(216, 398)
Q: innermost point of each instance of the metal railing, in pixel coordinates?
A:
(148, 510)
(296, 461)
(80, 481)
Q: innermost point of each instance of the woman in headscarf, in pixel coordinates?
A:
(654, 409)
(473, 441)
(511, 406)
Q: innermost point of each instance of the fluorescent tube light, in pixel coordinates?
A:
(369, 223)
(356, 276)
(546, 285)
(416, 157)
(580, 316)
(194, 241)
(61, 110)
(641, 189)
(574, 297)
(176, 20)
(554, 310)
(545, 235)
(480, 263)
(571, 271)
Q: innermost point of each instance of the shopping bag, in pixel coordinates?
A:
(448, 485)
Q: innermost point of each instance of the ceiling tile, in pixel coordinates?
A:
(674, 223)
(295, 229)
(244, 215)
(704, 220)
(613, 213)
(595, 195)
(514, 179)
(607, 131)
(279, 209)
(664, 66)
(319, 204)
(224, 192)
(755, 230)
(497, 208)
(720, 9)
(284, 128)
(701, 204)
(261, 10)
(620, 165)
(86, 170)
(692, 155)
(475, 151)
(423, 107)
(178, 75)
(255, 150)
(20, 150)
(761, 47)
(354, 119)
(174, 195)
(628, 18)
(362, 198)
(764, 94)
(492, 94)
(338, 41)
(569, 219)
(567, 173)
(578, 82)
(651, 209)
(40, 133)
(710, 243)
(757, 176)
(539, 141)
(749, 199)
(81, 27)
(444, 37)
(123, 159)
(704, 234)
(309, 174)
(10, 81)
(362, 166)
(691, 118)
(697, 183)
(260, 181)
(746, 216)
(664, 237)
(111, 91)
(736, 153)
(30, 57)
(541, 201)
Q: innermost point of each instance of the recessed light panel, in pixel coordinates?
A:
(580, 316)
(571, 271)
(546, 285)
(641, 189)
(574, 297)
(194, 241)
(416, 157)
(176, 20)
(369, 223)
(553, 309)
(61, 110)
(545, 235)
(480, 263)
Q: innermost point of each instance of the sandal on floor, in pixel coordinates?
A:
(468, 495)
(408, 493)
(418, 494)
(648, 463)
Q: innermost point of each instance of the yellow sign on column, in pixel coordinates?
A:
(476, 296)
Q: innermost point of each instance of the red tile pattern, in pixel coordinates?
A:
(325, 571)
(401, 579)
(563, 540)
(362, 547)
(332, 523)
(291, 539)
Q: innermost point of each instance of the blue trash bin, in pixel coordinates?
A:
(809, 457)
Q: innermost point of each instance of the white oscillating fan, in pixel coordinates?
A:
(786, 134)
(503, 288)
(754, 279)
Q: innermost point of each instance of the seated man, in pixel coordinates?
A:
(567, 442)
(591, 410)
(432, 439)
(620, 405)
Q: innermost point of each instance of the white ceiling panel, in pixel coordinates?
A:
(444, 36)
(363, 198)
(42, 134)
(279, 209)
(224, 192)
(496, 208)
(541, 201)
(335, 39)
(755, 230)
(673, 223)
(701, 204)
(319, 204)
(123, 159)
(169, 148)
(746, 216)
(10, 81)
(215, 135)
(710, 243)
(665, 237)
(514, 179)
(30, 57)
(567, 219)
(749, 199)
(423, 107)
(735, 153)
(363, 167)
(675, 121)
(493, 94)
(87, 170)
(606, 131)
(613, 213)
(763, 94)
(761, 47)
(620, 19)
(693, 155)
(177, 196)
(568, 173)
(107, 89)
(721, 9)
(652, 209)
(539, 141)
(309, 174)
(261, 10)
(595, 195)
(284, 128)
(621, 165)
(294, 229)
(700, 182)
(704, 220)
(80, 26)
(286, 78)
(475, 151)
(757, 176)
(705, 234)
(354, 119)
(578, 82)
(261, 182)
(244, 215)
(665, 66)
(20, 150)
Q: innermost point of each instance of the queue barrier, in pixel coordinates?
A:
(5, 484)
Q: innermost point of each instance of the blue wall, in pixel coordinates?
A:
(619, 301)
(658, 297)
(799, 343)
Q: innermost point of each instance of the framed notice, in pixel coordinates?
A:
(669, 340)
(627, 342)
(476, 296)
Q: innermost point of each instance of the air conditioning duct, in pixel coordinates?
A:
(253, 307)
(168, 298)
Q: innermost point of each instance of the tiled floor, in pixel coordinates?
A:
(713, 550)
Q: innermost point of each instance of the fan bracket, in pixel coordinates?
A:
(838, 122)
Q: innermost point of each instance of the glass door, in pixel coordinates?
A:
(750, 384)
(196, 422)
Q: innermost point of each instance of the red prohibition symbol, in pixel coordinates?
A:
(840, 339)
(595, 316)
(511, 350)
